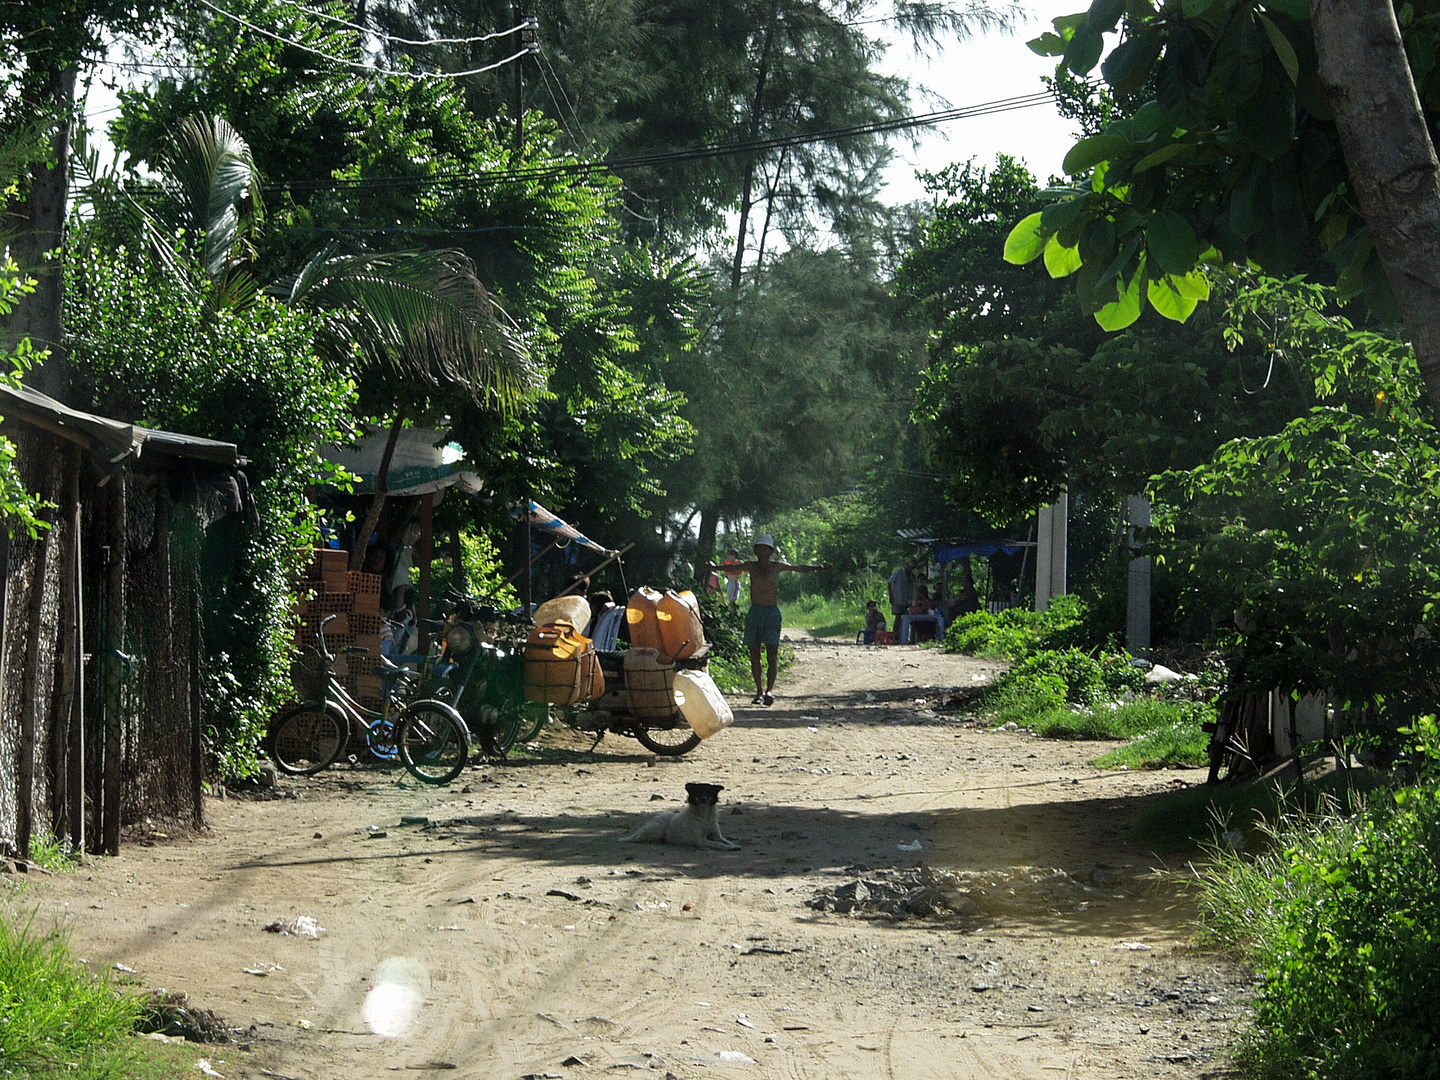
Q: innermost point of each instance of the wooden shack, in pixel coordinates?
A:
(101, 651)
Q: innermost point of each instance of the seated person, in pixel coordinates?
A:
(874, 621)
(921, 604)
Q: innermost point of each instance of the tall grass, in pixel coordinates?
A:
(51, 1009)
(1341, 916)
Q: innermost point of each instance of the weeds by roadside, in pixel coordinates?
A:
(1341, 918)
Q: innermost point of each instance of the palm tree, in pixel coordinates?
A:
(418, 321)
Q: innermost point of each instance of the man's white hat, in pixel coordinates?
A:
(765, 540)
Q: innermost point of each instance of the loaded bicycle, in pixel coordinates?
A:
(312, 735)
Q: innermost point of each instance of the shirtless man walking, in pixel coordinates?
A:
(762, 621)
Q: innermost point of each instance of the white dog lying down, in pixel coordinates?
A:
(695, 826)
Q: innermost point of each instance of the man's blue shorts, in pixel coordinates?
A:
(762, 625)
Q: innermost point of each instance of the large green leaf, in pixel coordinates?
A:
(1131, 62)
(1171, 241)
(1126, 308)
(1058, 215)
(1087, 153)
(1083, 52)
(1167, 298)
(1025, 242)
(1104, 14)
(1283, 49)
(1061, 261)
(1239, 53)
(1159, 157)
(1267, 122)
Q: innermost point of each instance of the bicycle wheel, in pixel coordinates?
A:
(671, 742)
(1224, 755)
(380, 738)
(533, 718)
(433, 744)
(308, 738)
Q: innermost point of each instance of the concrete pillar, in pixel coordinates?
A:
(1137, 605)
(1051, 554)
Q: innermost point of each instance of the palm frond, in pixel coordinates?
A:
(424, 315)
(213, 173)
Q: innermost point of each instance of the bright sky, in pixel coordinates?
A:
(986, 68)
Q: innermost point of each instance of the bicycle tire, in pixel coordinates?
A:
(308, 738)
(533, 720)
(1223, 756)
(668, 742)
(380, 739)
(434, 745)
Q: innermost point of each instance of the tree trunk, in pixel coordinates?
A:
(382, 485)
(745, 196)
(705, 542)
(1391, 159)
(39, 315)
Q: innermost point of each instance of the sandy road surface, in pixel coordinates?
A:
(535, 938)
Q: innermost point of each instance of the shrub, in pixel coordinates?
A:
(1342, 919)
(1087, 679)
(1015, 633)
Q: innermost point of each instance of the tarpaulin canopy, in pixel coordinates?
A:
(543, 519)
(949, 549)
(423, 462)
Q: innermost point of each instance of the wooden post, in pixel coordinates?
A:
(61, 711)
(76, 756)
(114, 669)
(30, 703)
(426, 554)
(529, 573)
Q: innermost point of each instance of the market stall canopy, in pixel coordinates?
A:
(949, 549)
(543, 519)
(424, 462)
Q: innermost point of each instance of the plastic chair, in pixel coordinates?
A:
(607, 629)
(884, 637)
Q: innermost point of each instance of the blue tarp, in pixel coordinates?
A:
(948, 551)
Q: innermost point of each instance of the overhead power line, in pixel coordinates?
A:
(356, 64)
(639, 161)
(531, 23)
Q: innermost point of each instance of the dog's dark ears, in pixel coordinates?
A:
(701, 790)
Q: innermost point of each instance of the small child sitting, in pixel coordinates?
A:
(874, 622)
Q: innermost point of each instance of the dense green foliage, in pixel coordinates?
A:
(1306, 549)
(1340, 918)
(149, 348)
(1232, 157)
(1016, 633)
(19, 508)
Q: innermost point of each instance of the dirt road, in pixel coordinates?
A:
(508, 933)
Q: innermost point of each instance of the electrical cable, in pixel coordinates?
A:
(357, 65)
(754, 146)
(410, 41)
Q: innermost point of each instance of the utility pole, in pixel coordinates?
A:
(519, 78)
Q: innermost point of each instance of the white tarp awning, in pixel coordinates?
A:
(424, 461)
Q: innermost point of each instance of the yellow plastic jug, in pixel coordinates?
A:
(705, 708)
(572, 609)
(649, 684)
(557, 665)
(640, 614)
(681, 632)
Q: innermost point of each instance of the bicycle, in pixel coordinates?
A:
(310, 736)
(1227, 755)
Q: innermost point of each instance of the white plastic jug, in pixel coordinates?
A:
(704, 707)
(572, 609)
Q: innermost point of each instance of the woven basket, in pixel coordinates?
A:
(310, 674)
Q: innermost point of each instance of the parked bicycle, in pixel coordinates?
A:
(314, 734)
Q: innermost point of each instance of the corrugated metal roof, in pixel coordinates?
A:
(114, 440)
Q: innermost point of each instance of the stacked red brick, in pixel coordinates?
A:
(328, 588)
